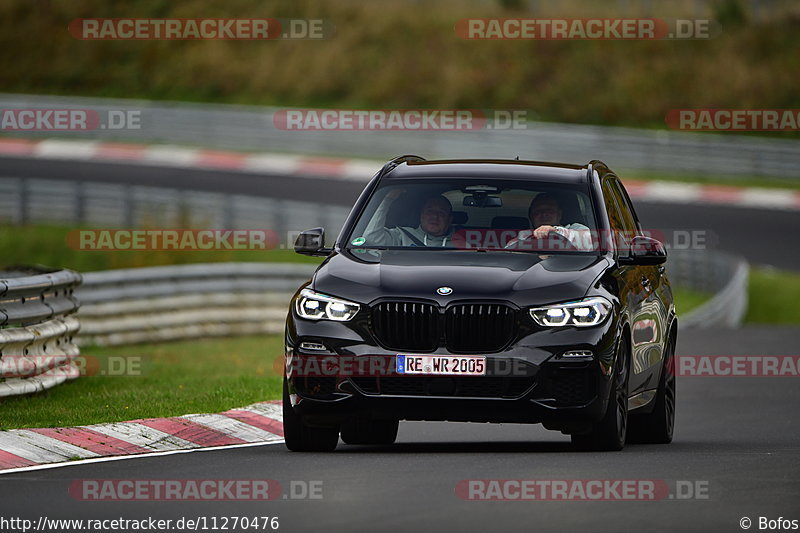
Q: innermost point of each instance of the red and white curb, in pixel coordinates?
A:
(183, 157)
(356, 169)
(260, 423)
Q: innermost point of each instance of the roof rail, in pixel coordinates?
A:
(397, 161)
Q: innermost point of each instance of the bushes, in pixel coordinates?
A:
(406, 54)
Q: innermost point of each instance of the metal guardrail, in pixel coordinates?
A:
(35, 200)
(155, 304)
(625, 149)
(723, 274)
(37, 348)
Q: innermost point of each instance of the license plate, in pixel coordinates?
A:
(442, 365)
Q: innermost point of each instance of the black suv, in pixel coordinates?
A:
(483, 291)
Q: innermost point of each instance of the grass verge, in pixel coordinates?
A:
(47, 245)
(178, 378)
(686, 299)
(762, 182)
(751, 63)
(773, 296)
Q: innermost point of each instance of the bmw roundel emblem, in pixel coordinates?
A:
(444, 291)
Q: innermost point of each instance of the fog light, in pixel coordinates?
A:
(577, 353)
(312, 346)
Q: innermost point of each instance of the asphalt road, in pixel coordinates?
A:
(762, 236)
(737, 441)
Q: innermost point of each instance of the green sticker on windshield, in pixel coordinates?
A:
(358, 241)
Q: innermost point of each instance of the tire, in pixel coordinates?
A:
(609, 433)
(361, 430)
(658, 426)
(302, 438)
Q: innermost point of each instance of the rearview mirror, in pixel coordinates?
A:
(481, 199)
(312, 242)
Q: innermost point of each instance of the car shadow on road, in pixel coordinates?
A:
(462, 447)
(522, 447)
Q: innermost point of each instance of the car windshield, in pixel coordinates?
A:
(474, 214)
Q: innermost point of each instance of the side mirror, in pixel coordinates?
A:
(645, 251)
(312, 242)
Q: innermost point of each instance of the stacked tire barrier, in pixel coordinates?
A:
(154, 304)
(37, 333)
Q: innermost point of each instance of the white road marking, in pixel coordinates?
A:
(176, 156)
(56, 149)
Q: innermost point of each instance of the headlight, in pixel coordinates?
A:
(315, 306)
(586, 312)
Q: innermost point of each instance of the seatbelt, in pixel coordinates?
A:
(411, 236)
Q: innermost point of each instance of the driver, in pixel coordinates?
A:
(545, 216)
(434, 228)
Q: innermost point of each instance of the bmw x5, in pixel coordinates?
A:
(483, 291)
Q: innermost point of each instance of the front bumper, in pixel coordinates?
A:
(528, 382)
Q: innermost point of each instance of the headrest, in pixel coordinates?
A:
(506, 222)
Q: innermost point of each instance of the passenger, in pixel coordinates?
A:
(435, 220)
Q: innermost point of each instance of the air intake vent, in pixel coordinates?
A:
(467, 328)
(478, 327)
(407, 326)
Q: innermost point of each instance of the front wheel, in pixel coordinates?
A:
(609, 434)
(300, 437)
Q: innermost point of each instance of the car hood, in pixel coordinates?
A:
(521, 278)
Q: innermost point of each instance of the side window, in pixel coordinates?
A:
(628, 213)
(611, 206)
(623, 226)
